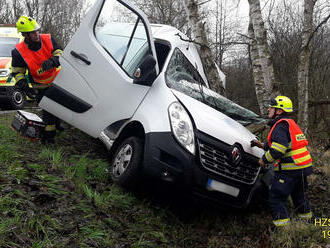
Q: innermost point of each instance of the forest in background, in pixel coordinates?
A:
(225, 24)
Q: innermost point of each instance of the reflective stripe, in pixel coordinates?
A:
(269, 157)
(50, 128)
(305, 216)
(41, 86)
(295, 152)
(18, 69)
(279, 147)
(292, 166)
(58, 52)
(300, 156)
(8, 84)
(282, 222)
(303, 159)
(19, 76)
(51, 78)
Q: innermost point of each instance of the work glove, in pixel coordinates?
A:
(22, 85)
(257, 143)
(48, 64)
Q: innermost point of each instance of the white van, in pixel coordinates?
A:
(141, 89)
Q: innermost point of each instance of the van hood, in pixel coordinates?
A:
(217, 124)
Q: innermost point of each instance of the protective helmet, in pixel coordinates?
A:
(282, 102)
(27, 24)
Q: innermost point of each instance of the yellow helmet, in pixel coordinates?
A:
(282, 102)
(27, 24)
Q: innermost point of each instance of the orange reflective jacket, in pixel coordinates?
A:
(34, 60)
(298, 151)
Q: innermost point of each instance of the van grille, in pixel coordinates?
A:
(215, 160)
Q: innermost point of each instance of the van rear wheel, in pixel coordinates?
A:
(126, 162)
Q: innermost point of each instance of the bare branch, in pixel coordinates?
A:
(231, 43)
(206, 1)
(248, 37)
(325, 20)
(190, 40)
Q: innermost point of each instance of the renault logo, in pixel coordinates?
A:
(236, 155)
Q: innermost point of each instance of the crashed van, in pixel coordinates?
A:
(10, 96)
(141, 89)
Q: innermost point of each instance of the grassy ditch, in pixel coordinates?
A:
(61, 196)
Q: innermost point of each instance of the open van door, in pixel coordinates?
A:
(101, 81)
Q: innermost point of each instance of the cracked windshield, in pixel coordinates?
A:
(182, 76)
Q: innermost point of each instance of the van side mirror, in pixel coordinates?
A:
(145, 74)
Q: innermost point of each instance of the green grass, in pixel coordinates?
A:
(62, 196)
(299, 234)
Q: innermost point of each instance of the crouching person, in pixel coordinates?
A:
(38, 55)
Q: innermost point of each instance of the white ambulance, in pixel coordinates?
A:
(10, 97)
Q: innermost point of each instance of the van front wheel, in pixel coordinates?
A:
(126, 162)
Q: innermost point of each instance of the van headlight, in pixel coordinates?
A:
(182, 127)
(4, 72)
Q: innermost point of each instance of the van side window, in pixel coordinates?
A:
(123, 35)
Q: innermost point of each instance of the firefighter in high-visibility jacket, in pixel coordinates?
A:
(39, 55)
(286, 148)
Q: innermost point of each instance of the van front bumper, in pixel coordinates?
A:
(166, 159)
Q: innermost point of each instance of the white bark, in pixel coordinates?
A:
(259, 82)
(263, 70)
(303, 66)
(200, 37)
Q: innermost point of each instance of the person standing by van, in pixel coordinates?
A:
(39, 55)
(286, 148)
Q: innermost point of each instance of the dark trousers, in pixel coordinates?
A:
(50, 121)
(282, 187)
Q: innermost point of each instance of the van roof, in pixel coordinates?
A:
(169, 33)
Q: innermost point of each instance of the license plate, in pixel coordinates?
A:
(214, 185)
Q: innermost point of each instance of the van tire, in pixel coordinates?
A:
(126, 162)
(16, 98)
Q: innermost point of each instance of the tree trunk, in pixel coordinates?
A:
(260, 34)
(257, 72)
(263, 71)
(303, 66)
(200, 37)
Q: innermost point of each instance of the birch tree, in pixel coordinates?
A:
(263, 71)
(303, 66)
(257, 72)
(198, 30)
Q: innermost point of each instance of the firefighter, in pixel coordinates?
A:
(286, 148)
(39, 55)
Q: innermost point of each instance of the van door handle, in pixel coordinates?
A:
(80, 56)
